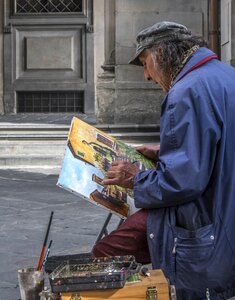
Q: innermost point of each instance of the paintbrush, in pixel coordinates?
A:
(44, 244)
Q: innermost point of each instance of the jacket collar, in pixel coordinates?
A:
(199, 57)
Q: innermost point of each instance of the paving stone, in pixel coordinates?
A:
(26, 201)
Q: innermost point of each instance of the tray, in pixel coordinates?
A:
(93, 274)
(54, 261)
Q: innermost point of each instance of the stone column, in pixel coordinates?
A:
(1, 58)
(109, 31)
(228, 32)
(233, 33)
(105, 86)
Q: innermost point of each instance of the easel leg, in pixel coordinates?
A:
(103, 230)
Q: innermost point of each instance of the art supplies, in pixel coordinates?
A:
(42, 255)
(31, 283)
(93, 273)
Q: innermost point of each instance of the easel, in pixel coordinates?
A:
(104, 229)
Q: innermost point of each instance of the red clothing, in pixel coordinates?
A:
(129, 239)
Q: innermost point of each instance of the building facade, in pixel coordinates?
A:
(72, 55)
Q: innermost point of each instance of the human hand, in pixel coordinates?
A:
(121, 173)
(150, 151)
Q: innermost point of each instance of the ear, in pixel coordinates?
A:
(159, 52)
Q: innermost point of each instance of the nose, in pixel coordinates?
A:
(146, 75)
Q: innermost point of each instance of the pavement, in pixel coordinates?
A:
(26, 202)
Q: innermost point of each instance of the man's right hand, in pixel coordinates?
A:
(150, 151)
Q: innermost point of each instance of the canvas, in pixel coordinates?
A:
(88, 155)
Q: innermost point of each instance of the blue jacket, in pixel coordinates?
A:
(191, 194)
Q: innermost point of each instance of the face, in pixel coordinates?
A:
(151, 71)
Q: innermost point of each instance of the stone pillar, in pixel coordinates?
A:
(228, 32)
(233, 33)
(109, 14)
(1, 58)
(105, 87)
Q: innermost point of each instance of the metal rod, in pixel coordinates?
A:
(104, 228)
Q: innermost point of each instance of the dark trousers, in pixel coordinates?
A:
(129, 239)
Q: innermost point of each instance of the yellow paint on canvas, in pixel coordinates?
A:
(80, 145)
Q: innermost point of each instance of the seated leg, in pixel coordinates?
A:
(129, 239)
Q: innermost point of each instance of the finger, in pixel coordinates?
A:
(116, 162)
(158, 147)
(116, 174)
(110, 181)
(111, 174)
(141, 149)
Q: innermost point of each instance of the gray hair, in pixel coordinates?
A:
(167, 55)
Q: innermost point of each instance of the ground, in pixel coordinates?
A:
(26, 202)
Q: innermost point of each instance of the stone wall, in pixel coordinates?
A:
(122, 95)
(105, 83)
(130, 98)
(1, 61)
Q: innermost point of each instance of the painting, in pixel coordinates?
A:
(88, 155)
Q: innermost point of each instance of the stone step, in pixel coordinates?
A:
(58, 127)
(37, 129)
(33, 136)
(9, 131)
(130, 137)
(118, 128)
(15, 147)
(42, 146)
(40, 131)
(19, 161)
(44, 169)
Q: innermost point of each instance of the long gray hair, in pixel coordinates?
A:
(168, 55)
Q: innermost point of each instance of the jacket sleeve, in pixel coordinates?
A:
(190, 134)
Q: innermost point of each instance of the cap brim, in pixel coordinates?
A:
(135, 61)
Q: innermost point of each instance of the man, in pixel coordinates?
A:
(188, 202)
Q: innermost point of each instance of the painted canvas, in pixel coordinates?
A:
(88, 155)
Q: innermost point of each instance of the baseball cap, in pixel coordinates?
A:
(161, 31)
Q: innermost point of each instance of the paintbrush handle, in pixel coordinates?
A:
(44, 244)
(41, 258)
(47, 254)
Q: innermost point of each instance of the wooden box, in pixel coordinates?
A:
(131, 291)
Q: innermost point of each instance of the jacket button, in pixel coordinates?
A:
(151, 236)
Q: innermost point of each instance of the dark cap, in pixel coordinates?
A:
(162, 31)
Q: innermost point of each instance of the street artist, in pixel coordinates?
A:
(187, 221)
